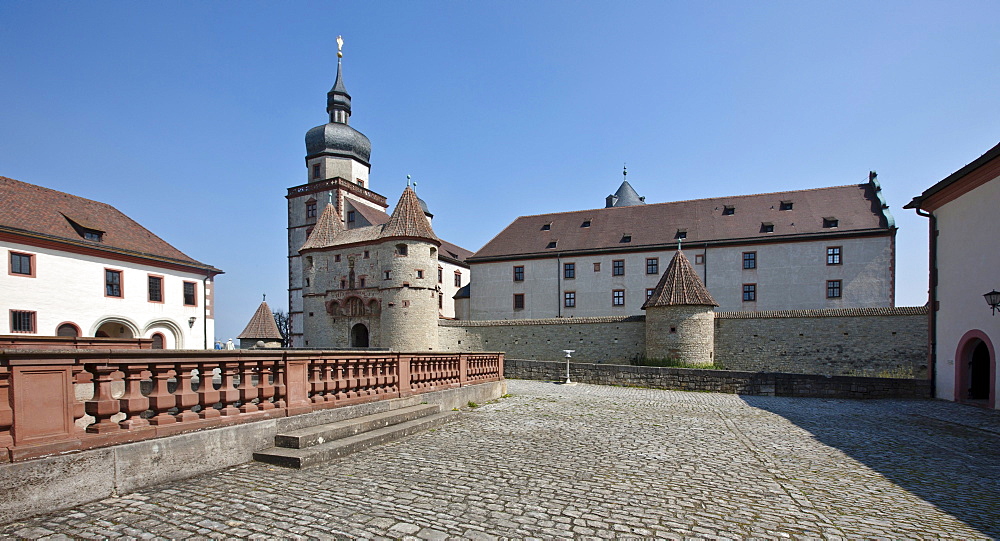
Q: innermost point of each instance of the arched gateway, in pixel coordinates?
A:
(359, 336)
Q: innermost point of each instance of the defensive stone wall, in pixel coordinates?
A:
(882, 342)
(595, 339)
(721, 381)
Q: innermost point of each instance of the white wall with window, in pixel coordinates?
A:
(49, 292)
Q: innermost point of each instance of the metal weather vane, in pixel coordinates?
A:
(340, 46)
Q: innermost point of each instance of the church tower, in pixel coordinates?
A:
(337, 169)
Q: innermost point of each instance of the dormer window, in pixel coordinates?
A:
(87, 232)
(547, 227)
(552, 244)
(91, 234)
(626, 238)
(350, 217)
(766, 227)
(830, 222)
(586, 223)
(785, 205)
(681, 234)
(728, 211)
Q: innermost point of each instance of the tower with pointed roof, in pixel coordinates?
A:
(680, 316)
(261, 331)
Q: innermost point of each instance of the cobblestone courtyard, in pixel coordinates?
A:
(586, 460)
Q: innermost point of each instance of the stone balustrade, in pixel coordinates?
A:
(137, 394)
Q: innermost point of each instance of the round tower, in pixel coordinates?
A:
(680, 316)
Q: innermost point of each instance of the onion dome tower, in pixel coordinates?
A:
(680, 316)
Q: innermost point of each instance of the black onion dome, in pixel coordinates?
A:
(336, 139)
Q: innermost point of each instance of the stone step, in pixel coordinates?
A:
(324, 452)
(315, 435)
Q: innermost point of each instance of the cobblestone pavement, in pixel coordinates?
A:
(578, 461)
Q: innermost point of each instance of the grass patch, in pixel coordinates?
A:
(473, 405)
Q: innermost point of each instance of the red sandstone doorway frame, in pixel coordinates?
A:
(966, 345)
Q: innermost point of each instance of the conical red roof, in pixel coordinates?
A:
(262, 325)
(408, 219)
(680, 285)
(326, 229)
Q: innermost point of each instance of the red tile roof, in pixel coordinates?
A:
(50, 214)
(680, 285)
(262, 325)
(408, 219)
(857, 208)
(326, 230)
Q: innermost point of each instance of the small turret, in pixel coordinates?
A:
(680, 316)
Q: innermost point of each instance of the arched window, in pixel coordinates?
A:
(68, 330)
(157, 341)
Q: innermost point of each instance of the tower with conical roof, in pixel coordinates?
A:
(261, 331)
(680, 316)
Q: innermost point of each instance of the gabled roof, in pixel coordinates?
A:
(858, 208)
(981, 161)
(37, 211)
(408, 219)
(680, 285)
(262, 325)
(326, 230)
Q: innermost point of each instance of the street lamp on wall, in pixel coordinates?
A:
(993, 299)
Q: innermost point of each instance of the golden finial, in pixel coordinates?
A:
(340, 46)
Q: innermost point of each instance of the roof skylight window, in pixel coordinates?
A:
(552, 244)
(830, 222)
(547, 227)
(728, 210)
(626, 238)
(767, 227)
(785, 205)
(586, 223)
(681, 234)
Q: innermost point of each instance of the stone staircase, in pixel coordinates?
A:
(317, 445)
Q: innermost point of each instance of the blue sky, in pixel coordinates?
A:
(190, 116)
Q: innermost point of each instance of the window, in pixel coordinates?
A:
(547, 227)
(360, 182)
(190, 296)
(310, 209)
(652, 265)
(552, 244)
(155, 289)
(307, 282)
(68, 330)
(519, 301)
(681, 234)
(420, 274)
(91, 234)
(830, 222)
(22, 264)
(749, 260)
(618, 267)
(649, 293)
(22, 321)
(728, 211)
(401, 250)
(618, 297)
(785, 205)
(440, 302)
(626, 238)
(833, 289)
(833, 255)
(699, 259)
(440, 275)
(315, 170)
(597, 267)
(343, 284)
(519, 273)
(350, 217)
(365, 254)
(749, 292)
(387, 275)
(569, 270)
(569, 299)
(362, 281)
(586, 223)
(112, 283)
(766, 227)
(157, 341)
(336, 258)
(458, 279)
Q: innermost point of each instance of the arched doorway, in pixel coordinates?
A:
(975, 364)
(113, 329)
(979, 372)
(359, 336)
(157, 341)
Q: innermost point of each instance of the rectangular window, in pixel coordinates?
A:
(519, 301)
(767, 227)
(785, 205)
(420, 274)
(366, 255)
(681, 234)
(458, 279)
(569, 270)
(336, 258)
(350, 216)
(440, 275)
(830, 222)
(440, 302)
(311, 210)
(833, 289)
(649, 293)
(112, 283)
(833, 255)
(699, 259)
(362, 281)
(597, 267)
(728, 211)
(652, 265)
(155, 289)
(618, 267)
(387, 275)
(749, 292)
(343, 284)
(22, 264)
(22, 321)
(518, 273)
(189, 294)
(315, 170)
(749, 260)
(618, 297)
(569, 299)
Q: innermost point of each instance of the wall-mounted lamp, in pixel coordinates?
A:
(993, 299)
(191, 321)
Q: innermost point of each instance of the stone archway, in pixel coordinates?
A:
(359, 336)
(975, 369)
(114, 329)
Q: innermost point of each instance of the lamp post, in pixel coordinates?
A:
(993, 299)
(569, 354)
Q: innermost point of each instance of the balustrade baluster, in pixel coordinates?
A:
(339, 379)
(187, 399)
(230, 394)
(366, 378)
(265, 387)
(81, 379)
(208, 396)
(133, 403)
(160, 399)
(329, 380)
(380, 376)
(280, 398)
(316, 384)
(102, 407)
(247, 390)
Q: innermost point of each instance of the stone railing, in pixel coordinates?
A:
(55, 401)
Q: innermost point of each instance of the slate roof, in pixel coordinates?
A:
(262, 325)
(34, 210)
(680, 285)
(626, 196)
(858, 208)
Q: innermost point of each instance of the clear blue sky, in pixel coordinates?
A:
(190, 116)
